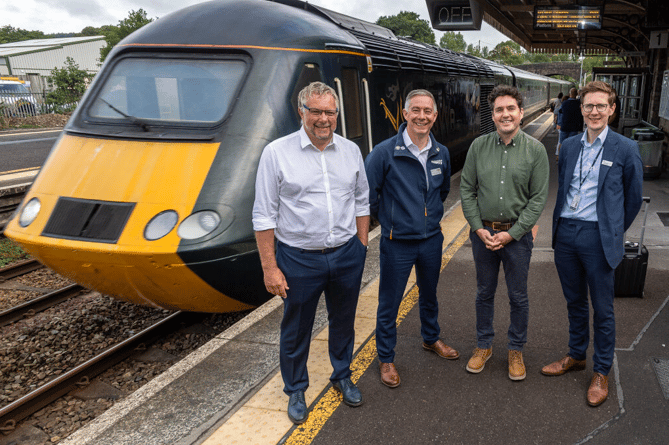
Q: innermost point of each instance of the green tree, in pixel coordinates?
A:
(114, 34)
(453, 41)
(508, 53)
(70, 84)
(409, 24)
(10, 34)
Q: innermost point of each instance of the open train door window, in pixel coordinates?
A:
(353, 115)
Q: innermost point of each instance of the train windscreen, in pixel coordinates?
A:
(170, 90)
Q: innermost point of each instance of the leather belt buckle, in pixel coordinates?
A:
(498, 226)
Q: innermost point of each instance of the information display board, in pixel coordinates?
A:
(567, 17)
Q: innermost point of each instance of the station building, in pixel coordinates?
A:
(32, 60)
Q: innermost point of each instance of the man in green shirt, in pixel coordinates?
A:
(504, 187)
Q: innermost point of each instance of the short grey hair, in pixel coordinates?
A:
(315, 89)
(414, 93)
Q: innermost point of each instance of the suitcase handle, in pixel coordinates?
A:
(646, 200)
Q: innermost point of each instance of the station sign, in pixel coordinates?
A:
(567, 17)
(455, 15)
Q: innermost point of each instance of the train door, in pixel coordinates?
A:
(354, 114)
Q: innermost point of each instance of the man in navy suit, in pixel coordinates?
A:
(599, 195)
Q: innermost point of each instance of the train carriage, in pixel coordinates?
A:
(147, 195)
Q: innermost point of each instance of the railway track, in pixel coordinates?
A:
(18, 269)
(39, 304)
(81, 375)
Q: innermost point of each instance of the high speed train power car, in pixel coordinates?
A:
(147, 195)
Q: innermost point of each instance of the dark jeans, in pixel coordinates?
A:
(397, 259)
(309, 274)
(582, 266)
(515, 258)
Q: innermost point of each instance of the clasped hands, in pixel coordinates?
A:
(496, 241)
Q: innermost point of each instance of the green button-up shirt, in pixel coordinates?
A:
(505, 183)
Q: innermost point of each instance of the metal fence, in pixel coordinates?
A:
(30, 104)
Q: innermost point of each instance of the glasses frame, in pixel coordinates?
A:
(593, 106)
(315, 112)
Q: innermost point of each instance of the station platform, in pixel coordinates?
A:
(230, 391)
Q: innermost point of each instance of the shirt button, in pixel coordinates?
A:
(503, 166)
(502, 182)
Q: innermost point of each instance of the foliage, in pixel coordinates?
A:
(591, 62)
(453, 41)
(409, 24)
(114, 34)
(10, 34)
(70, 84)
(508, 53)
(10, 252)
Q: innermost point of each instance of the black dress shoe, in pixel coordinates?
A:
(349, 392)
(297, 408)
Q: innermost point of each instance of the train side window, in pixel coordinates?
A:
(353, 108)
(310, 73)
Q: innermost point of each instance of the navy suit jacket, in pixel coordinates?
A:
(618, 192)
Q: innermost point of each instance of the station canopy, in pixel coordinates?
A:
(616, 27)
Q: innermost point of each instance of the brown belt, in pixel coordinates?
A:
(499, 226)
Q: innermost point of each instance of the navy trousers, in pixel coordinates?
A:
(582, 266)
(397, 259)
(337, 274)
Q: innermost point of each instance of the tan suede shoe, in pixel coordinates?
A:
(477, 362)
(516, 365)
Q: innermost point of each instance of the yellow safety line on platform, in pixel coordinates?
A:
(263, 419)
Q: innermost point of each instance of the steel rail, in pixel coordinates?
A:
(32, 402)
(39, 304)
(18, 269)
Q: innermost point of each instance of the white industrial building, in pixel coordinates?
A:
(33, 60)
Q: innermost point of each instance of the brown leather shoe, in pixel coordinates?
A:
(563, 365)
(442, 350)
(598, 390)
(389, 375)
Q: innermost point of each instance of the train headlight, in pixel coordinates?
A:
(199, 224)
(29, 212)
(160, 225)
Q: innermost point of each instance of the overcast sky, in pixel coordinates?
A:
(51, 16)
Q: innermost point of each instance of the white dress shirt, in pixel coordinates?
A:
(311, 198)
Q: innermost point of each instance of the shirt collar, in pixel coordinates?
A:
(305, 142)
(513, 140)
(601, 137)
(408, 142)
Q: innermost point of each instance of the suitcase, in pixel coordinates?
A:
(630, 275)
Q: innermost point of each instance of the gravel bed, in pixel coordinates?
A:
(30, 286)
(36, 350)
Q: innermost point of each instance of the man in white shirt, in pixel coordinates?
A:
(312, 196)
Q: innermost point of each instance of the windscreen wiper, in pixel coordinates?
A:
(135, 120)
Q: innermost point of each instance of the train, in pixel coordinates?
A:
(147, 194)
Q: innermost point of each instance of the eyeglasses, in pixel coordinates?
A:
(600, 107)
(315, 112)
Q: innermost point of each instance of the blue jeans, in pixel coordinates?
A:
(582, 266)
(309, 274)
(397, 259)
(515, 257)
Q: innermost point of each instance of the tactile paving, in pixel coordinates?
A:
(661, 366)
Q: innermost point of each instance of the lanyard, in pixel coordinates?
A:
(594, 161)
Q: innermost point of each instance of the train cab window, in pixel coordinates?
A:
(352, 106)
(169, 90)
(310, 73)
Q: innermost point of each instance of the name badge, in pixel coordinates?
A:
(437, 161)
(607, 163)
(435, 171)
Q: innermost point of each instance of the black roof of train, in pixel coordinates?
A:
(296, 24)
